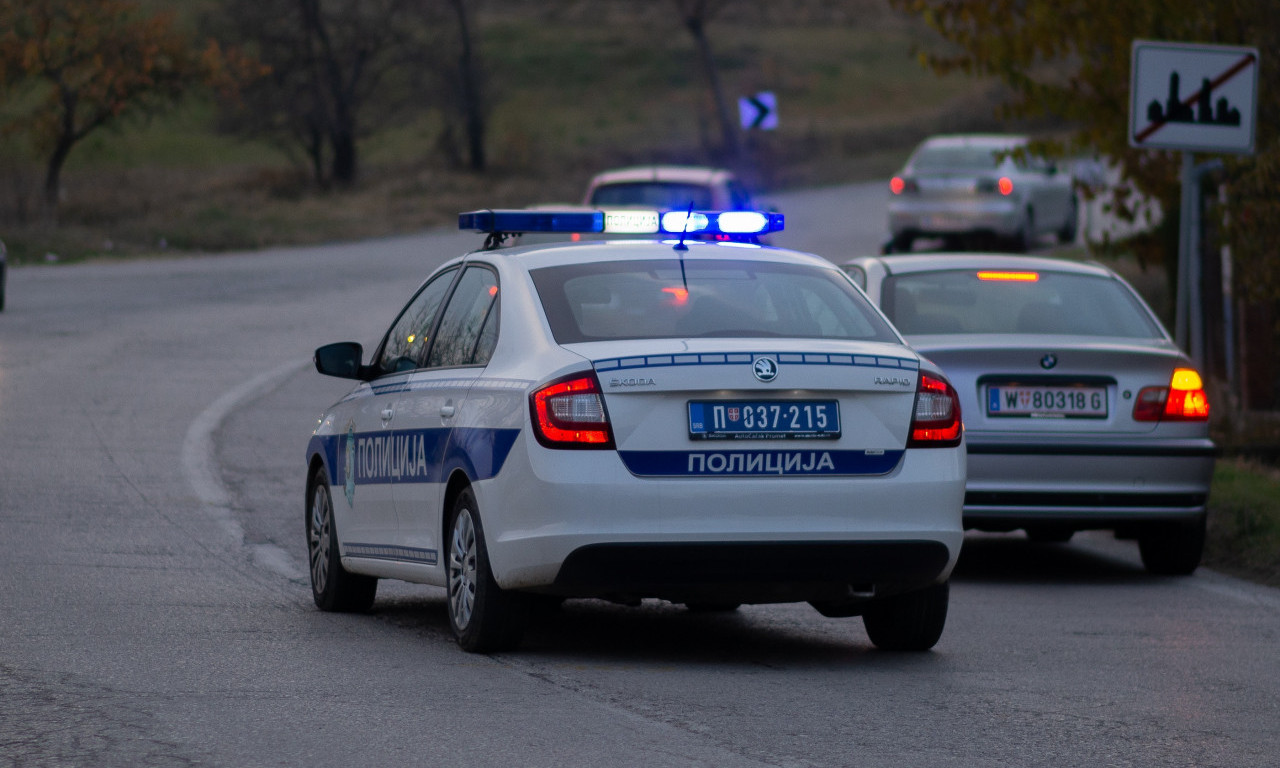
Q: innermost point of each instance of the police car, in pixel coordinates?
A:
(706, 423)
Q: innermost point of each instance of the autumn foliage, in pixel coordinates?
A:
(70, 67)
(1069, 60)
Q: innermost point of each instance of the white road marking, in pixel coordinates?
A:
(200, 466)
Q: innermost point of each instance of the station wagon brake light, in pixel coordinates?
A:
(935, 422)
(569, 413)
(1184, 399)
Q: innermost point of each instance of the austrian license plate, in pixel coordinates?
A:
(1047, 402)
(751, 419)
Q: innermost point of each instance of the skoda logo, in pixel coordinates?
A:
(1048, 361)
(765, 368)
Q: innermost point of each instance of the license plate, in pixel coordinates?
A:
(764, 419)
(1047, 402)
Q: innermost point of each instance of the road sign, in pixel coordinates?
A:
(1193, 97)
(759, 111)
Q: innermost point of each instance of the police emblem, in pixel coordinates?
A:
(350, 460)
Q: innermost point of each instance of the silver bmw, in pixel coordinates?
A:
(1080, 411)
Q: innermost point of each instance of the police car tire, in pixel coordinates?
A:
(333, 587)
(908, 622)
(484, 617)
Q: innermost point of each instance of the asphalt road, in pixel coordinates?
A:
(154, 609)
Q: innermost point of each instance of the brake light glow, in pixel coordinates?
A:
(1015, 277)
(936, 421)
(1006, 185)
(1184, 399)
(569, 413)
(896, 185)
(679, 296)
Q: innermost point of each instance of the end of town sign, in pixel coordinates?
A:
(1193, 97)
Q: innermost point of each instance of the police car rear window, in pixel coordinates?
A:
(660, 299)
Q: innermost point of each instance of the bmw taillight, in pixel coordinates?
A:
(935, 423)
(1184, 399)
(569, 413)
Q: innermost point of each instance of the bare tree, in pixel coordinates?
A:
(336, 70)
(696, 15)
(468, 80)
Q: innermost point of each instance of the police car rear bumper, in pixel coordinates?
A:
(578, 523)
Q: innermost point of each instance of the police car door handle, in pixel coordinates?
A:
(387, 413)
(446, 411)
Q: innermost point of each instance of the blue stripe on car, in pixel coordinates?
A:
(723, 358)
(415, 455)
(759, 463)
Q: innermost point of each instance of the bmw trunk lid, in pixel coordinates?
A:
(1093, 386)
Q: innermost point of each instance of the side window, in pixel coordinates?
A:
(739, 199)
(469, 325)
(402, 350)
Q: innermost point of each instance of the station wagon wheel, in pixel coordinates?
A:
(332, 586)
(912, 621)
(1172, 549)
(484, 617)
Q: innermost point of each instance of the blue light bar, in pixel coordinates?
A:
(513, 221)
(641, 222)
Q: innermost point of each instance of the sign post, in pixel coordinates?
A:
(1193, 98)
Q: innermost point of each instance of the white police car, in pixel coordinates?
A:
(709, 423)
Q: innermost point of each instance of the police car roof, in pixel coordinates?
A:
(536, 256)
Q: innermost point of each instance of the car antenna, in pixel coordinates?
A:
(680, 247)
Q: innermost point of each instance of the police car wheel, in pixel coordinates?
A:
(908, 622)
(484, 617)
(332, 586)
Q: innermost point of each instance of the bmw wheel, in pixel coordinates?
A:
(483, 617)
(908, 622)
(1172, 549)
(332, 586)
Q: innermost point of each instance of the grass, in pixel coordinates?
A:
(1244, 521)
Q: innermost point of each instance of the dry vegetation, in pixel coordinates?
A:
(574, 87)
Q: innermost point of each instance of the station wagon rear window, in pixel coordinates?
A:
(659, 299)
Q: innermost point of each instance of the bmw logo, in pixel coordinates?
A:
(1048, 361)
(765, 368)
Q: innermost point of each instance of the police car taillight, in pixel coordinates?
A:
(935, 423)
(569, 413)
(1183, 400)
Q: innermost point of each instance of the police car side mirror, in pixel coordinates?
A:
(342, 360)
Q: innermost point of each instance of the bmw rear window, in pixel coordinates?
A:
(1021, 301)
(662, 299)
